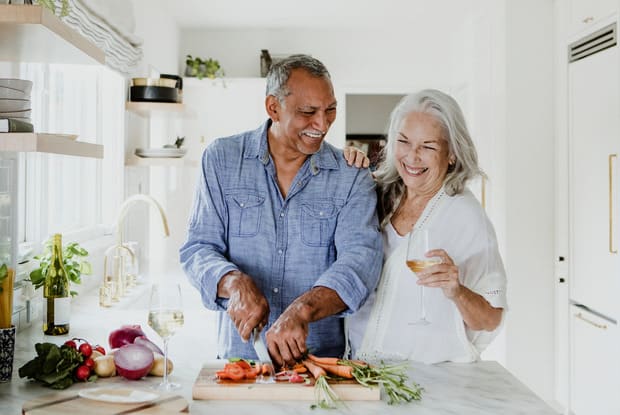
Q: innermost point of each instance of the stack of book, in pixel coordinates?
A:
(15, 108)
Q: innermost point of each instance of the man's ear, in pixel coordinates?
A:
(272, 105)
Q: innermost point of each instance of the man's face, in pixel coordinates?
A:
(305, 115)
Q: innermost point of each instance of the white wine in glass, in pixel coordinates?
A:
(166, 317)
(418, 245)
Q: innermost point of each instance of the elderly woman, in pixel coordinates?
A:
(421, 183)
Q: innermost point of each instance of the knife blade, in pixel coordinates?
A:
(263, 357)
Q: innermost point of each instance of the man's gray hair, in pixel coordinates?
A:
(448, 113)
(278, 74)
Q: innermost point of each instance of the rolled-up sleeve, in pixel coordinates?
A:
(359, 246)
(203, 255)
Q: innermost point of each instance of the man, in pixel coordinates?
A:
(283, 234)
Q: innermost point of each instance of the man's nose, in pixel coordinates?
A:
(321, 122)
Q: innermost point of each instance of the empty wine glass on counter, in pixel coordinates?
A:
(418, 245)
(166, 317)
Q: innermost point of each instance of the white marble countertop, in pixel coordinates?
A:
(450, 388)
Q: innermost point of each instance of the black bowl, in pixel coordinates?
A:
(153, 94)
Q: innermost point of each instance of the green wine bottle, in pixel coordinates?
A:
(56, 295)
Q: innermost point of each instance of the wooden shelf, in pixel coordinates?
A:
(34, 34)
(136, 161)
(48, 143)
(147, 108)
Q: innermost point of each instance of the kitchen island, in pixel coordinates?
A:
(449, 388)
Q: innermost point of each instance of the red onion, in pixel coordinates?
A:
(133, 361)
(124, 335)
(144, 341)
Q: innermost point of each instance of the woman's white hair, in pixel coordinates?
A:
(461, 148)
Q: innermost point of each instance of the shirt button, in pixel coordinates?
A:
(276, 290)
(320, 213)
(282, 214)
(280, 251)
(242, 204)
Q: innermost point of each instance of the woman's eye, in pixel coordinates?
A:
(429, 148)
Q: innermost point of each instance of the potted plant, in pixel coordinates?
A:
(51, 4)
(203, 68)
(74, 261)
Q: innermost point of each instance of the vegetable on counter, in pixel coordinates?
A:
(125, 335)
(57, 366)
(133, 361)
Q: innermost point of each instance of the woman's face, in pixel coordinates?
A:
(422, 154)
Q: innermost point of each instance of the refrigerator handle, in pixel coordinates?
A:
(587, 320)
(612, 249)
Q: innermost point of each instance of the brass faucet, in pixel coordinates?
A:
(114, 284)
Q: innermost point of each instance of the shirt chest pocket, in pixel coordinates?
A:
(244, 213)
(318, 222)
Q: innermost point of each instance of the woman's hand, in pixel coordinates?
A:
(355, 156)
(444, 275)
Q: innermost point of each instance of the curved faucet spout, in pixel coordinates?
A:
(125, 208)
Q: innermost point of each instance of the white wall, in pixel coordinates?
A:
(161, 51)
(530, 196)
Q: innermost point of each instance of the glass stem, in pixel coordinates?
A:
(422, 308)
(165, 361)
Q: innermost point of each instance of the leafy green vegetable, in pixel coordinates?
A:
(53, 365)
(72, 258)
(393, 379)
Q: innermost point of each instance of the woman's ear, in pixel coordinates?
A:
(272, 105)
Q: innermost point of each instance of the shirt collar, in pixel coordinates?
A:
(325, 158)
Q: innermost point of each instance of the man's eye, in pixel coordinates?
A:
(307, 113)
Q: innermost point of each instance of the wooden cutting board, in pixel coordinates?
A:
(207, 386)
(68, 402)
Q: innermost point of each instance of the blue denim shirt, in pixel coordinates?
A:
(324, 233)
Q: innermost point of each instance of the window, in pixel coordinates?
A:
(66, 194)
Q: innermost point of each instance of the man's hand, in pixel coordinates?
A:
(286, 338)
(247, 306)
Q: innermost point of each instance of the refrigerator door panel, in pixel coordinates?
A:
(594, 128)
(595, 368)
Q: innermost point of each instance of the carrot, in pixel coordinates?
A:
(299, 368)
(316, 370)
(339, 370)
(324, 360)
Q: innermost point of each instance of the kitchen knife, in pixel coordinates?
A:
(263, 357)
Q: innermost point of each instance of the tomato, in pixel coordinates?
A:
(235, 372)
(99, 348)
(71, 344)
(90, 363)
(86, 349)
(82, 372)
(243, 364)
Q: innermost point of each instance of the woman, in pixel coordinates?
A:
(421, 183)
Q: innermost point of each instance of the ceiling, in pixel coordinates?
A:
(319, 14)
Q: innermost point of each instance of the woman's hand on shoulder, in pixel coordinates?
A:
(355, 157)
(444, 275)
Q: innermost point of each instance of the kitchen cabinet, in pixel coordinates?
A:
(585, 14)
(595, 364)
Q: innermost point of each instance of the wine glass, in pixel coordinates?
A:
(418, 245)
(165, 317)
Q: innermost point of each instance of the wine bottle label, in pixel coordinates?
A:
(62, 310)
